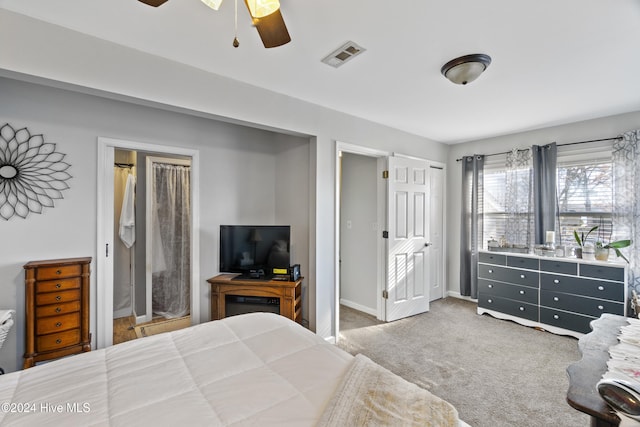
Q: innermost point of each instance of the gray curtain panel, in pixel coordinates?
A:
(471, 223)
(544, 189)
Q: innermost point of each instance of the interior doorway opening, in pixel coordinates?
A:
(360, 217)
(151, 242)
(133, 301)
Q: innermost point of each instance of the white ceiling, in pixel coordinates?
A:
(554, 62)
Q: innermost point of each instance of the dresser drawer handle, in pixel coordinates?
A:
(522, 292)
(58, 298)
(58, 324)
(601, 288)
(489, 300)
(521, 308)
(522, 276)
(556, 281)
(600, 307)
(58, 341)
(489, 285)
(58, 272)
(555, 316)
(58, 285)
(556, 299)
(58, 309)
(490, 271)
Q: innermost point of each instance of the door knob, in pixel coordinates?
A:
(428, 244)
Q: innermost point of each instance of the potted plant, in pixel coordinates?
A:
(581, 239)
(602, 250)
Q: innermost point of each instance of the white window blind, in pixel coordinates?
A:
(584, 193)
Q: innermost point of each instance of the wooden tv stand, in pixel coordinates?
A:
(289, 293)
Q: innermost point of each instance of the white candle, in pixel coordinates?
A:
(551, 237)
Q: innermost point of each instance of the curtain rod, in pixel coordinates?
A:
(559, 145)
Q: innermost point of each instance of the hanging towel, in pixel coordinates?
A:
(128, 215)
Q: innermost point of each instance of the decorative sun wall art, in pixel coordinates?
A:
(32, 173)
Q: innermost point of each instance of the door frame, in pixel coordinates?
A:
(381, 157)
(105, 221)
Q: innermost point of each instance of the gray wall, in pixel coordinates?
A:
(239, 179)
(358, 234)
(606, 127)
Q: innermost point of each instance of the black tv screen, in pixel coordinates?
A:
(247, 249)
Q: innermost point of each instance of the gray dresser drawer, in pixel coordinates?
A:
(507, 306)
(523, 262)
(509, 291)
(580, 286)
(562, 267)
(489, 258)
(578, 304)
(564, 320)
(602, 272)
(509, 275)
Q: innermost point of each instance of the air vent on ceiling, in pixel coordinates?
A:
(343, 54)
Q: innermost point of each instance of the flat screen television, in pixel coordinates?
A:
(254, 250)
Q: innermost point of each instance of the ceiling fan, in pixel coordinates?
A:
(266, 18)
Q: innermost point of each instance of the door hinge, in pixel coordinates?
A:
(385, 174)
(385, 294)
(385, 234)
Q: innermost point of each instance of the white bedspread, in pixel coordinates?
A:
(259, 369)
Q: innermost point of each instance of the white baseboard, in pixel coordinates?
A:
(455, 294)
(359, 307)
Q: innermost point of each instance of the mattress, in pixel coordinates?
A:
(254, 369)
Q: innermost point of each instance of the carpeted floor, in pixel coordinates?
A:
(495, 372)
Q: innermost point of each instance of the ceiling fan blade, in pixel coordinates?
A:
(154, 3)
(272, 29)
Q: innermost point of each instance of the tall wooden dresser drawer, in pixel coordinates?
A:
(57, 285)
(58, 341)
(51, 324)
(58, 272)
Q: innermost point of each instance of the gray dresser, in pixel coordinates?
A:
(561, 295)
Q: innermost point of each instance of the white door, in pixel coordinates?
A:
(436, 237)
(407, 290)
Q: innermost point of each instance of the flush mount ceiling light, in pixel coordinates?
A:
(466, 69)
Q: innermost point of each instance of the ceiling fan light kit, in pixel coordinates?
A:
(265, 15)
(262, 8)
(213, 4)
(466, 69)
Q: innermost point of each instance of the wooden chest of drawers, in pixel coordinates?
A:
(57, 309)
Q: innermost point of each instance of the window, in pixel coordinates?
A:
(584, 196)
(585, 193)
(507, 202)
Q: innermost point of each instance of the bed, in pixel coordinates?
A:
(253, 369)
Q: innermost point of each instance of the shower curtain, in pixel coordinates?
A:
(122, 274)
(171, 263)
